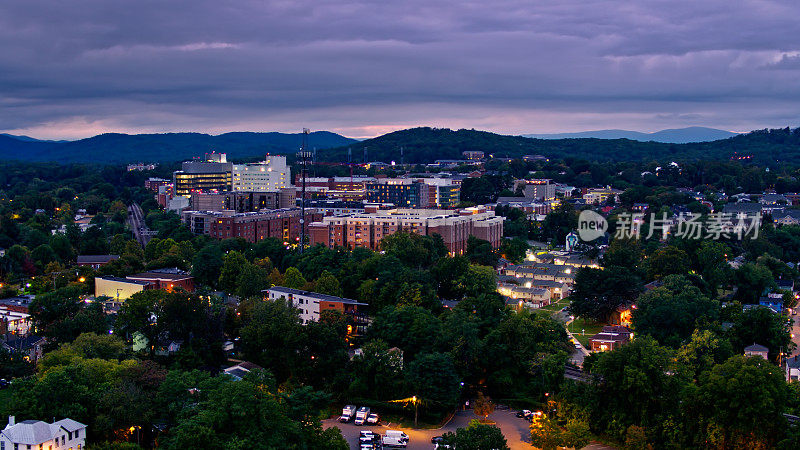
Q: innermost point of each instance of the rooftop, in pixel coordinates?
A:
(323, 297)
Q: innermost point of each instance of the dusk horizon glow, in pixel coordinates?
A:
(362, 69)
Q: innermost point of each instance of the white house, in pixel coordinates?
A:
(66, 434)
(793, 368)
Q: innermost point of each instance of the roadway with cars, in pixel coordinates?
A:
(515, 430)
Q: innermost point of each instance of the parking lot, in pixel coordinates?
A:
(514, 429)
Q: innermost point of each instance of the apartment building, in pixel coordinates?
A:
(312, 304)
(415, 192)
(283, 224)
(538, 189)
(369, 228)
(271, 174)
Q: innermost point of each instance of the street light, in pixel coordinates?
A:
(416, 415)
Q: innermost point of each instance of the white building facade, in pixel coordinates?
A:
(265, 176)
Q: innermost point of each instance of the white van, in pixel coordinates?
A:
(395, 438)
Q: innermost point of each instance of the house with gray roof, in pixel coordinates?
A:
(30, 434)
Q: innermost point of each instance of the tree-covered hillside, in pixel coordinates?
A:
(123, 148)
(426, 144)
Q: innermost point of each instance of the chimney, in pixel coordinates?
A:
(11, 421)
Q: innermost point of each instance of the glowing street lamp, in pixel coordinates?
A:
(416, 410)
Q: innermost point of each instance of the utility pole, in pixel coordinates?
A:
(303, 155)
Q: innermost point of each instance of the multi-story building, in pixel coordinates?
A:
(369, 228)
(141, 167)
(271, 174)
(537, 189)
(241, 201)
(473, 155)
(153, 183)
(214, 173)
(14, 322)
(600, 195)
(312, 304)
(402, 192)
(35, 434)
(442, 192)
(283, 224)
(343, 188)
(96, 261)
(415, 192)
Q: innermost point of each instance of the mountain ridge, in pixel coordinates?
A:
(163, 147)
(669, 136)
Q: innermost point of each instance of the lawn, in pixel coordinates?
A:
(589, 328)
(553, 307)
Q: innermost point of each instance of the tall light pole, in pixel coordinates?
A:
(416, 410)
(303, 155)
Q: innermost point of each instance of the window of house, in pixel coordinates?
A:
(77, 434)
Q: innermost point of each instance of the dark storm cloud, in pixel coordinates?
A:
(363, 67)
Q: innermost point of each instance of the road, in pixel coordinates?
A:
(141, 233)
(515, 430)
(796, 333)
(580, 353)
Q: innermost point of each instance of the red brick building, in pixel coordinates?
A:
(167, 280)
(283, 224)
(368, 229)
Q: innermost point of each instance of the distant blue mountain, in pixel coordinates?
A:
(671, 136)
(26, 138)
(123, 148)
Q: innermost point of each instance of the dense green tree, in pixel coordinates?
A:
(294, 279)
(739, 404)
(704, 349)
(411, 328)
(432, 378)
(672, 311)
(480, 252)
(477, 436)
(232, 265)
(637, 387)
(667, 261)
(251, 281)
(377, 371)
(761, 326)
(273, 337)
(598, 293)
(327, 283)
(751, 282)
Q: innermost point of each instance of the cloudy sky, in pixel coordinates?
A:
(72, 69)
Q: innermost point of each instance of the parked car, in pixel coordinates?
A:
(524, 413)
(437, 439)
(373, 419)
(3, 383)
(369, 437)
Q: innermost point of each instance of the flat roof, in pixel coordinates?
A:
(159, 276)
(122, 280)
(323, 297)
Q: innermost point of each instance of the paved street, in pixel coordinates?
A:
(514, 429)
(796, 333)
